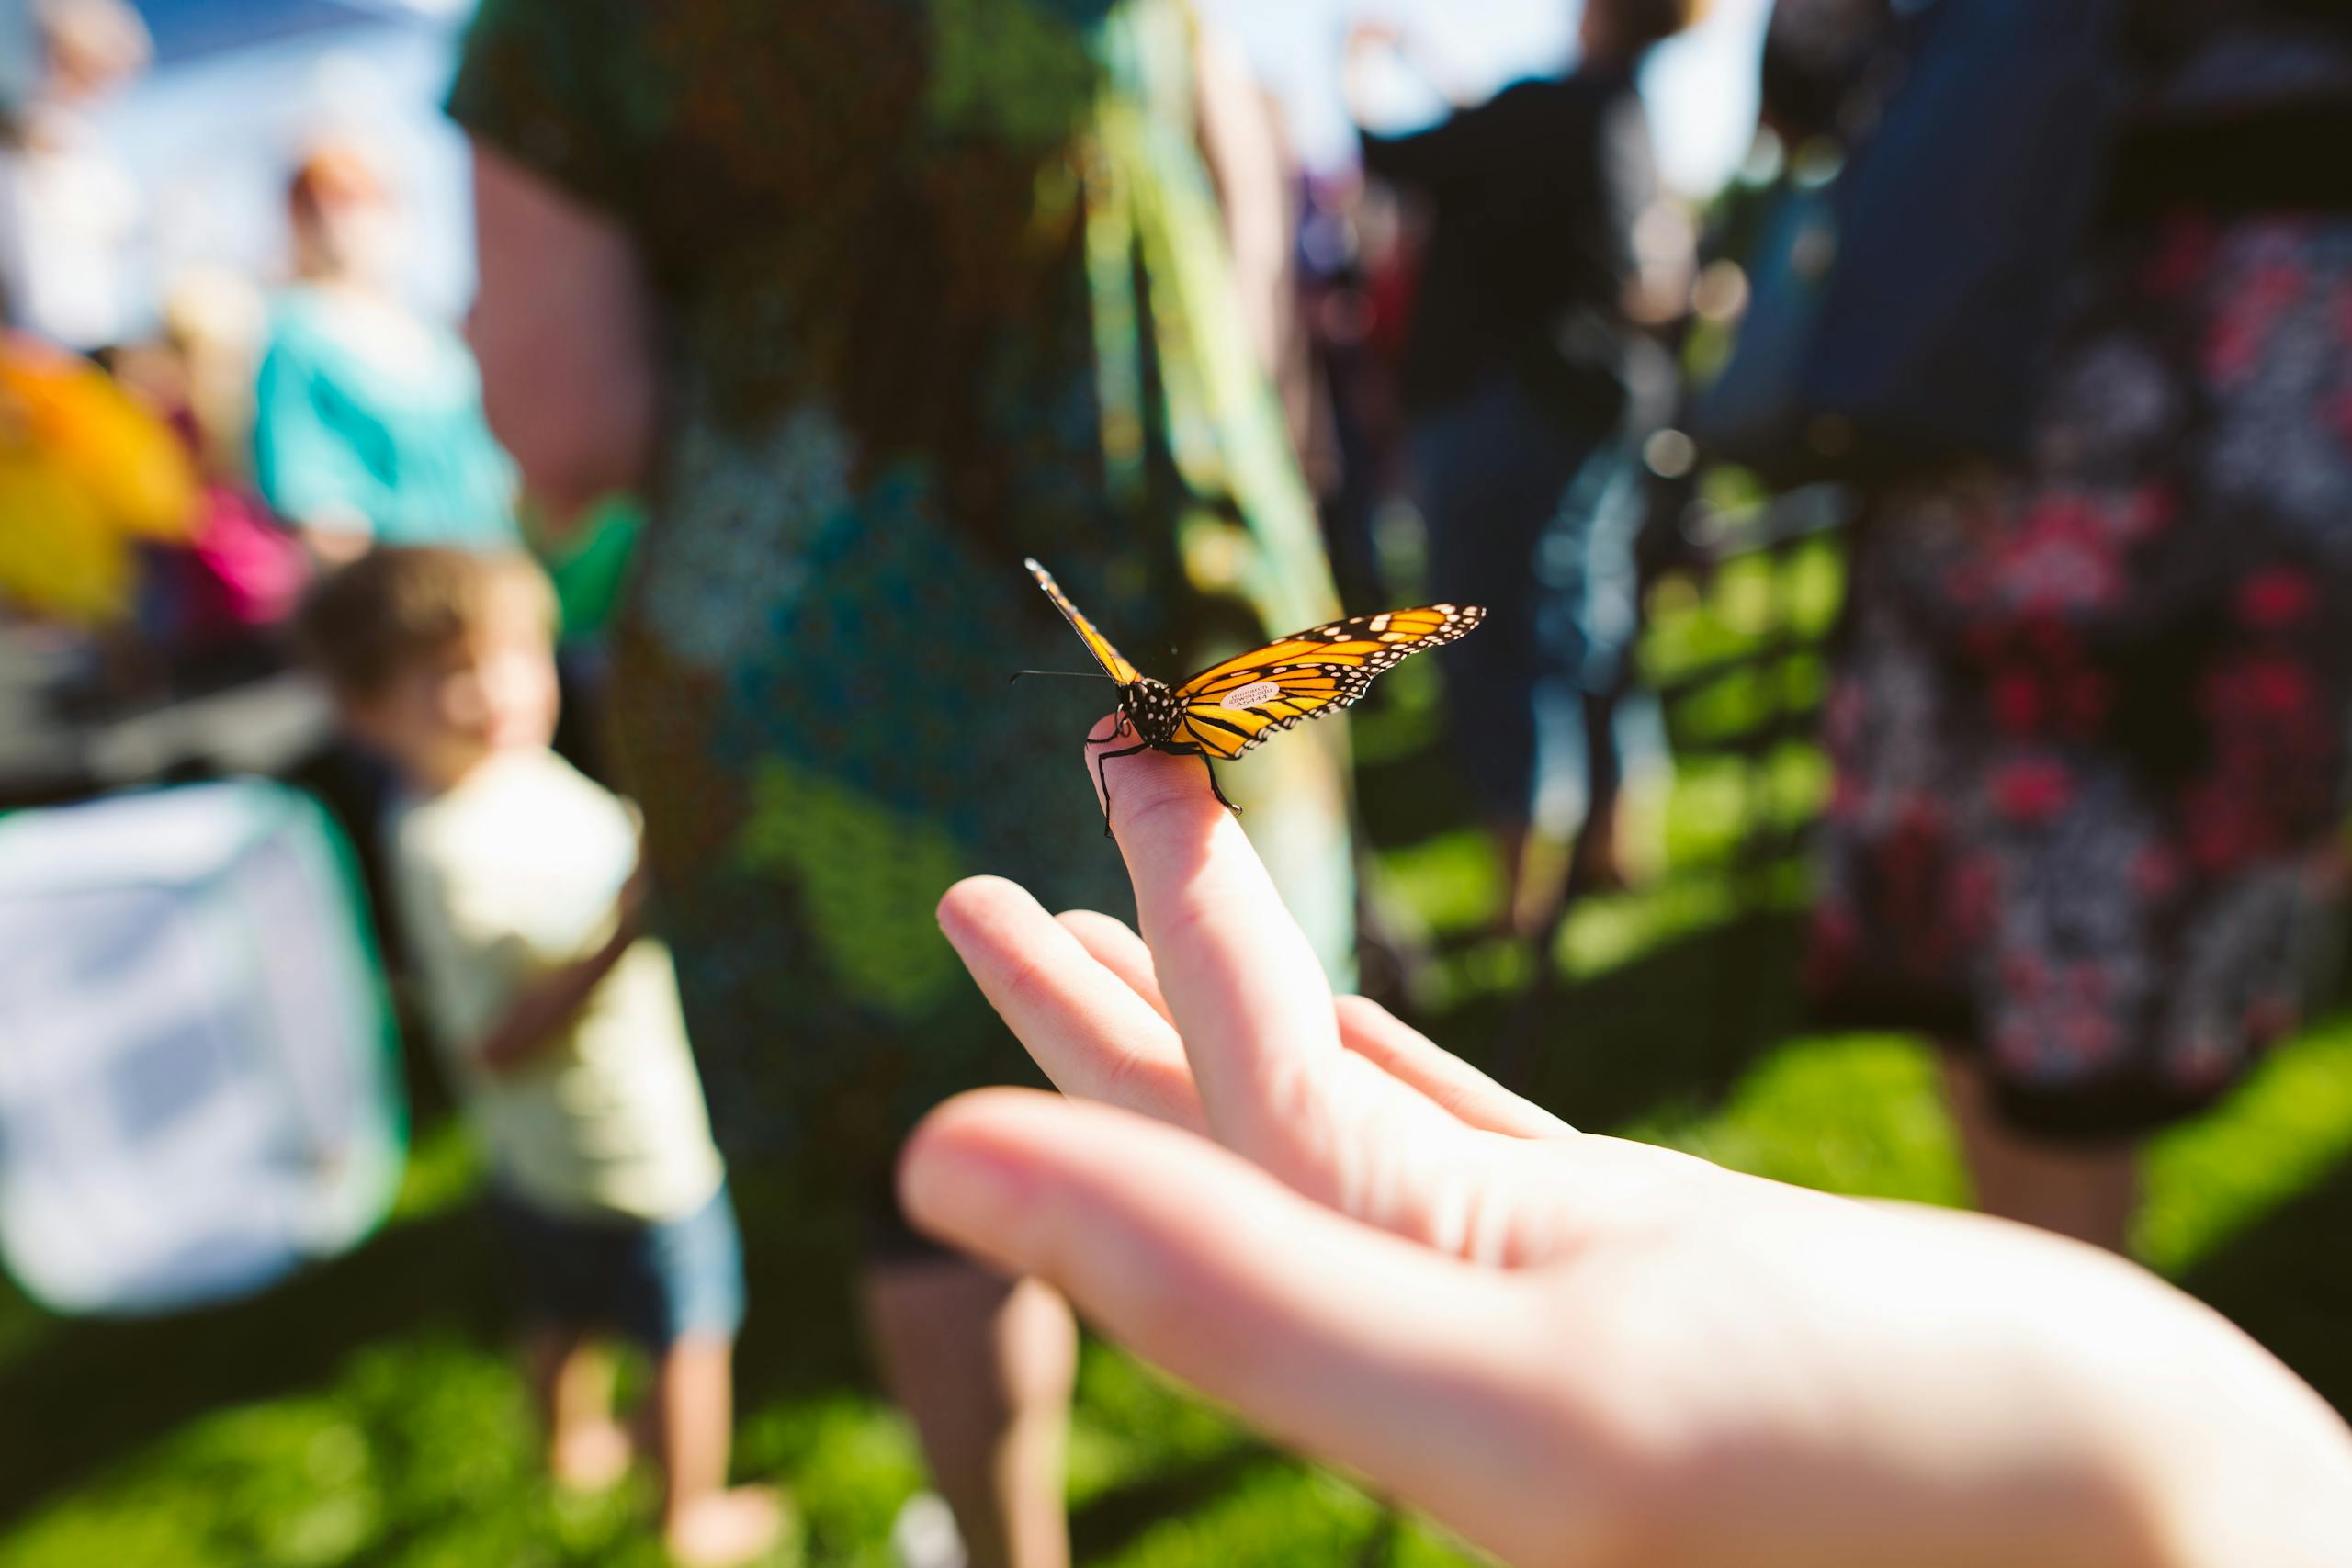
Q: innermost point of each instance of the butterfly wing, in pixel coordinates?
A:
(1115, 663)
(1229, 707)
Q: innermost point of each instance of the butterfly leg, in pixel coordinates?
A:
(1104, 779)
(1204, 756)
(1214, 788)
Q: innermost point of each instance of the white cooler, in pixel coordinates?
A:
(199, 1084)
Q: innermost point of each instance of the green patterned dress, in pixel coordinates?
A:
(943, 284)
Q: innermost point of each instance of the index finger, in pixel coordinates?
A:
(1243, 983)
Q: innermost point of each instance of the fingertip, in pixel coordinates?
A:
(955, 903)
(978, 901)
(1108, 733)
(1148, 789)
(1100, 736)
(958, 1175)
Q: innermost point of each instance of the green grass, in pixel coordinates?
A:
(366, 1415)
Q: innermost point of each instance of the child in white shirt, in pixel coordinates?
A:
(519, 887)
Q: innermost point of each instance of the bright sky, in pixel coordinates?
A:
(1700, 88)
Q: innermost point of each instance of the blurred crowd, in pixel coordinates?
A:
(659, 612)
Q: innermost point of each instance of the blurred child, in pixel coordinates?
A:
(520, 889)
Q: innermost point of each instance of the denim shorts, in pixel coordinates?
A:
(654, 1282)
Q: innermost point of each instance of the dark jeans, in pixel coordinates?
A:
(1538, 522)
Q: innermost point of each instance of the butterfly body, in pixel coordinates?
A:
(1234, 705)
(1149, 708)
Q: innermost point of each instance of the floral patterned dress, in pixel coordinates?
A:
(943, 285)
(2090, 728)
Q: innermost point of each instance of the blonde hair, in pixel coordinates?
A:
(365, 624)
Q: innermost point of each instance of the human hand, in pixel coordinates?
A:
(1572, 1349)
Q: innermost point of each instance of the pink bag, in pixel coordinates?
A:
(241, 573)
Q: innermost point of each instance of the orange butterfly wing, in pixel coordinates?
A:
(1115, 663)
(1233, 705)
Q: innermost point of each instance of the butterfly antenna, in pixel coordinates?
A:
(1073, 674)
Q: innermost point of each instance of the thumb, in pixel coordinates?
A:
(1351, 1343)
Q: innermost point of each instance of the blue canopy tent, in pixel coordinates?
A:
(184, 29)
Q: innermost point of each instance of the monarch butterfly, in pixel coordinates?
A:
(1231, 706)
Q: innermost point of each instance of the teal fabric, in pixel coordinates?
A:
(340, 434)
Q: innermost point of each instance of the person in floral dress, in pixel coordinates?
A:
(2089, 726)
(871, 298)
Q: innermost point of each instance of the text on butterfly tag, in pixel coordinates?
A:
(1250, 695)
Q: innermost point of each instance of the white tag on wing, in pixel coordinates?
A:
(1250, 695)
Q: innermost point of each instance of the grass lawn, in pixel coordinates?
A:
(366, 1415)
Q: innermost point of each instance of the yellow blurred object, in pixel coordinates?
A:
(84, 472)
